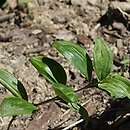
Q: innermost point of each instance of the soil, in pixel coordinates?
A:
(29, 31)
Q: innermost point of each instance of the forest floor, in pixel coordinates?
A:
(29, 31)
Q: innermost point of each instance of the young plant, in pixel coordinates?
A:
(102, 64)
(117, 85)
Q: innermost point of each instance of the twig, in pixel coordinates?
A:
(74, 124)
(122, 118)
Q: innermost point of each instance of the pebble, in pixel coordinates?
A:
(36, 31)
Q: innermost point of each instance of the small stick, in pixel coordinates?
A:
(74, 124)
(121, 119)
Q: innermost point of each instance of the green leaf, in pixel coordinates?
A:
(113, 89)
(116, 85)
(83, 112)
(12, 106)
(69, 96)
(125, 61)
(12, 84)
(50, 69)
(75, 55)
(65, 93)
(75, 106)
(102, 58)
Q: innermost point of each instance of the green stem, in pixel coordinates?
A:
(90, 85)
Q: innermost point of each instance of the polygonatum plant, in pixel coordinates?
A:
(117, 85)
(102, 64)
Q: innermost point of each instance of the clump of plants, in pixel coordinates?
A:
(102, 63)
